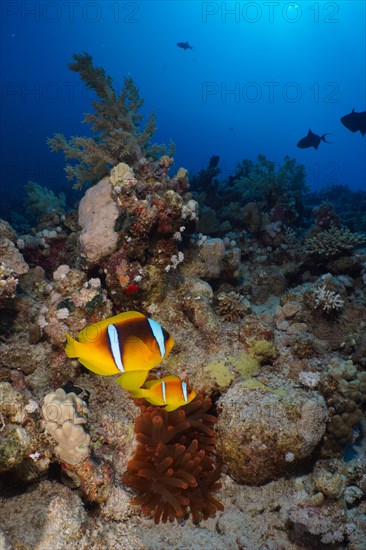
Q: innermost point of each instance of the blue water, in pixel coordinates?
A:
(259, 76)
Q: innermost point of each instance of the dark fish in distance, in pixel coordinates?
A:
(184, 46)
(355, 122)
(311, 140)
(214, 161)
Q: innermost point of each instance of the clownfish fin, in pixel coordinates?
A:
(94, 367)
(137, 394)
(132, 380)
(152, 383)
(173, 406)
(71, 346)
(135, 346)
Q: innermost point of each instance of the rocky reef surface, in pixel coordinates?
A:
(273, 333)
(263, 288)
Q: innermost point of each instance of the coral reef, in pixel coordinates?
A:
(16, 439)
(261, 179)
(333, 242)
(42, 202)
(174, 469)
(344, 388)
(327, 300)
(322, 511)
(98, 213)
(231, 306)
(261, 431)
(8, 284)
(64, 414)
(12, 263)
(262, 286)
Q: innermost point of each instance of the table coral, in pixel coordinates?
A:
(174, 469)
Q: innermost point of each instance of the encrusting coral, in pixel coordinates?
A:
(174, 469)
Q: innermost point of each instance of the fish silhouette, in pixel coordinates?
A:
(355, 122)
(184, 46)
(311, 140)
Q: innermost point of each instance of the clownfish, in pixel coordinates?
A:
(170, 391)
(129, 344)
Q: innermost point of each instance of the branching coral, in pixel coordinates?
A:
(333, 242)
(261, 179)
(174, 469)
(116, 121)
(327, 300)
(41, 201)
(231, 306)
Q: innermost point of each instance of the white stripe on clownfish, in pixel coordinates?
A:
(116, 351)
(163, 390)
(158, 335)
(184, 390)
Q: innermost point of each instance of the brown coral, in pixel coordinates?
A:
(174, 470)
(333, 242)
(231, 306)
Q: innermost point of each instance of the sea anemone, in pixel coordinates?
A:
(174, 469)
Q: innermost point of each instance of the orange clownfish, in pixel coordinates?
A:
(129, 344)
(170, 391)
